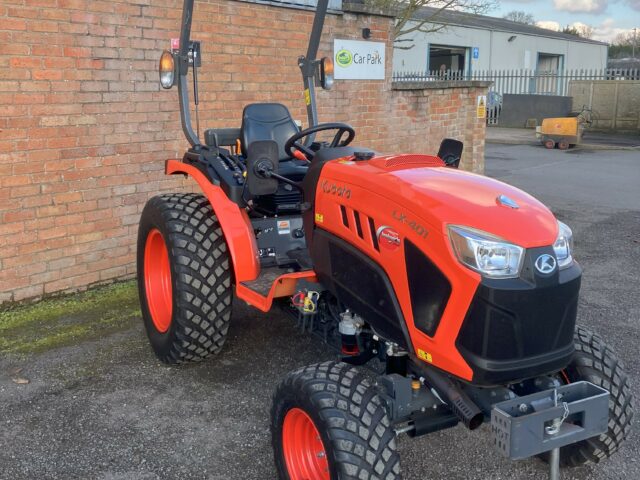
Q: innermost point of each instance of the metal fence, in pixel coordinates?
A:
(523, 81)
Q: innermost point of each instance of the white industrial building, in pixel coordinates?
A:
(470, 43)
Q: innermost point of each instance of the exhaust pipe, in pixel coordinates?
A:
(457, 400)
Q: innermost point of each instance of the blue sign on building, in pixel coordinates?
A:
(476, 52)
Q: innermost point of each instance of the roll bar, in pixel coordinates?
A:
(308, 66)
(183, 70)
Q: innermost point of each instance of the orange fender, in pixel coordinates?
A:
(234, 222)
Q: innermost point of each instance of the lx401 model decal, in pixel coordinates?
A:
(412, 224)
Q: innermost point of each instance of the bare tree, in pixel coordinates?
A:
(579, 30)
(520, 17)
(625, 44)
(624, 39)
(422, 15)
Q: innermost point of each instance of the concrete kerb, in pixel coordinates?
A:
(518, 138)
(582, 146)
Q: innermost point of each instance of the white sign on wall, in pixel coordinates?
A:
(357, 60)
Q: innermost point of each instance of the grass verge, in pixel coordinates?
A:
(58, 322)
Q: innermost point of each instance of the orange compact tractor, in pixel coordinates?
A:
(449, 297)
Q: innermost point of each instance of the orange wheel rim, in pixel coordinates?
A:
(157, 280)
(304, 452)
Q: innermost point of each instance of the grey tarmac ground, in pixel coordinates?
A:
(99, 405)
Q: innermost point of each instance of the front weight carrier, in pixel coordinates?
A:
(546, 421)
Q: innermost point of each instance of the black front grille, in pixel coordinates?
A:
(513, 324)
(515, 328)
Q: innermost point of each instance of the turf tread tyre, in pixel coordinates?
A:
(350, 416)
(596, 362)
(200, 275)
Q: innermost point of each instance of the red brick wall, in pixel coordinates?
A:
(84, 129)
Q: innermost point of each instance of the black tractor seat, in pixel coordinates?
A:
(267, 121)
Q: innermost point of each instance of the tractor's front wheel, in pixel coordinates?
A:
(328, 423)
(184, 278)
(596, 362)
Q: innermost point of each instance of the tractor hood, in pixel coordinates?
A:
(444, 196)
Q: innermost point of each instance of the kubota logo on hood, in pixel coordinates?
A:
(388, 238)
(333, 189)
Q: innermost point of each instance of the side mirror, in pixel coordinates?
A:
(451, 152)
(262, 161)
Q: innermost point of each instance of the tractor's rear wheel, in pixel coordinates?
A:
(596, 362)
(328, 423)
(184, 278)
(563, 145)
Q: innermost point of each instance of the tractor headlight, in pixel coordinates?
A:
(485, 253)
(563, 246)
(167, 69)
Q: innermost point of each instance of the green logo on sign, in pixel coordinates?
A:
(344, 58)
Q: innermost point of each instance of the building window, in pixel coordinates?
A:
(448, 61)
(548, 67)
(549, 62)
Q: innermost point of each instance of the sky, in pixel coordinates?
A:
(608, 17)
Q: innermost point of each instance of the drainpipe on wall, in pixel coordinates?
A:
(490, 49)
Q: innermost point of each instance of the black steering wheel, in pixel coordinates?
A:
(337, 141)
